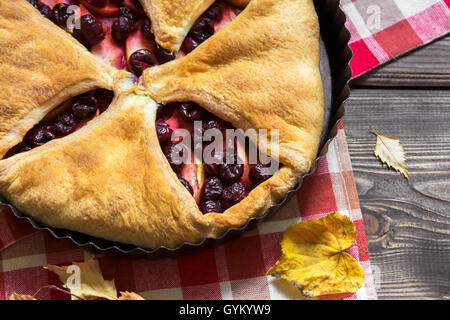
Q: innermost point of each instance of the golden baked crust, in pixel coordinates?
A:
(264, 78)
(41, 66)
(172, 20)
(110, 178)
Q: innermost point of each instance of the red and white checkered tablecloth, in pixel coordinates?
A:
(236, 270)
(384, 29)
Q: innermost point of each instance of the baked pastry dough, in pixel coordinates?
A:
(110, 178)
(172, 20)
(41, 66)
(254, 80)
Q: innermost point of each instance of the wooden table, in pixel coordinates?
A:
(407, 222)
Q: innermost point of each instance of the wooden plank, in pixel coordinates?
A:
(428, 66)
(407, 222)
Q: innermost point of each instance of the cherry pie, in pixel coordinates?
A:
(106, 105)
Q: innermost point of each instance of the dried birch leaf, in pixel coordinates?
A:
(390, 152)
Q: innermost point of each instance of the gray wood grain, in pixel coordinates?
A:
(407, 222)
(428, 66)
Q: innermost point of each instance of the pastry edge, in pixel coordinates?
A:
(171, 37)
(268, 193)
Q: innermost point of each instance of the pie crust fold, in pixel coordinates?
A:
(172, 20)
(41, 66)
(265, 78)
(110, 179)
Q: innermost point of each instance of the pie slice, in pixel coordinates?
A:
(264, 78)
(110, 179)
(172, 20)
(41, 66)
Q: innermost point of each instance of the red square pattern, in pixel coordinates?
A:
(13, 229)
(26, 281)
(432, 22)
(398, 39)
(156, 274)
(322, 166)
(363, 59)
(197, 269)
(316, 196)
(352, 199)
(204, 292)
(61, 252)
(363, 250)
(271, 249)
(29, 246)
(244, 258)
(121, 270)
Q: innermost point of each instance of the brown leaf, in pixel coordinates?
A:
(16, 296)
(125, 295)
(390, 152)
(313, 257)
(91, 283)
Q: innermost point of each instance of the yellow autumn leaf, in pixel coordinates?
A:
(91, 283)
(313, 257)
(390, 152)
(16, 296)
(125, 295)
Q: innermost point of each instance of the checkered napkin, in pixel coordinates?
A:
(236, 270)
(384, 29)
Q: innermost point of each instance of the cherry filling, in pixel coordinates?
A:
(118, 31)
(65, 119)
(217, 182)
(60, 14)
(141, 60)
(124, 25)
(44, 9)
